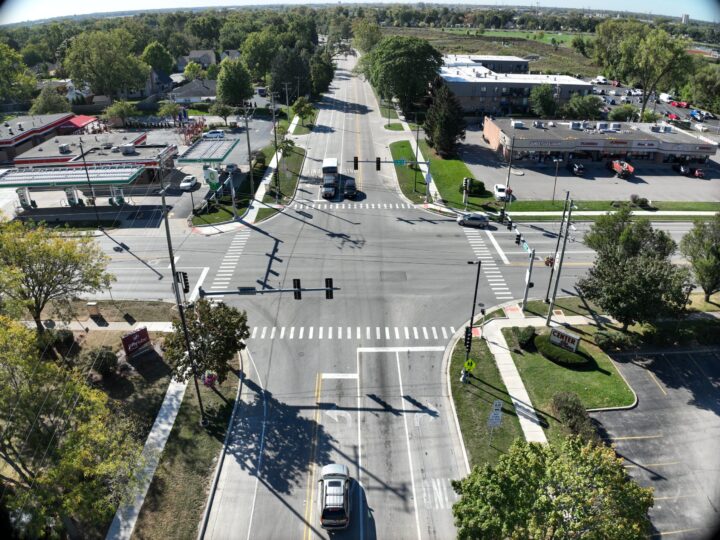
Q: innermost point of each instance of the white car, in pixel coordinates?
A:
(499, 192)
(214, 134)
(188, 182)
(334, 497)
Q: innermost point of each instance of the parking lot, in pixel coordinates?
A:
(669, 441)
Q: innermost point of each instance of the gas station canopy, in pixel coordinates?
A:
(65, 177)
(208, 151)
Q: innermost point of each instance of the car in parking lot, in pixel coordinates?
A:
(474, 219)
(214, 134)
(188, 182)
(578, 169)
(334, 497)
(708, 115)
(499, 192)
(687, 170)
(673, 116)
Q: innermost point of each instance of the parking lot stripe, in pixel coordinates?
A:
(678, 531)
(652, 376)
(633, 437)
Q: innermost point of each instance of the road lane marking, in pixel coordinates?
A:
(339, 375)
(387, 333)
(425, 333)
(401, 349)
(262, 446)
(310, 336)
(272, 333)
(434, 332)
(633, 437)
(255, 329)
(199, 283)
(330, 332)
(407, 440)
(359, 334)
(497, 247)
(397, 333)
(443, 332)
(415, 332)
(292, 332)
(307, 533)
(367, 332)
(282, 332)
(652, 376)
(176, 260)
(377, 332)
(339, 332)
(320, 332)
(660, 534)
(302, 331)
(263, 332)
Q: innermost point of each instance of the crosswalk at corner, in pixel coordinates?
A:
(357, 333)
(490, 270)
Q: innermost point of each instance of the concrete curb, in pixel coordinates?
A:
(446, 360)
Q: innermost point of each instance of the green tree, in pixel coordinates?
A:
(705, 87)
(233, 83)
(193, 71)
(212, 72)
(65, 455)
(216, 335)
(444, 123)
(322, 71)
(105, 61)
(169, 109)
(403, 67)
(366, 34)
(567, 490)
(579, 44)
(542, 101)
(158, 57)
(258, 51)
(222, 110)
(650, 116)
(233, 34)
(122, 110)
(49, 102)
(302, 108)
(623, 113)
(103, 360)
(38, 266)
(288, 67)
(16, 80)
(610, 36)
(701, 246)
(583, 108)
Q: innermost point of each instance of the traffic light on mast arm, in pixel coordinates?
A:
(468, 338)
(355, 163)
(377, 163)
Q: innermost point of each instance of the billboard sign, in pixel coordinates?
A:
(564, 339)
(136, 341)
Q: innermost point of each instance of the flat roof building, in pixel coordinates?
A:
(23, 132)
(597, 140)
(484, 91)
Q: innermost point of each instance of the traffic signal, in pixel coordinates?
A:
(466, 185)
(377, 163)
(298, 291)
(182, 277)
(502, 215)
(468, 338)
(328, 289)
(355, 163)
(549, 261)
(531, 285)
(509, 223)
(517, 238)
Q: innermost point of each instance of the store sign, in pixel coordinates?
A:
(136, 342)
(564, 339)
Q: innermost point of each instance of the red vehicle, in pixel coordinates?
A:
(621, 168)
(616, 83)
(681, 104)
(673, 116)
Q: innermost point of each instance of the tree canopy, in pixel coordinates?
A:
(233, 83)
(542, 101)
(444, 123)
(303, 108)
(583, 107)
(122, 110)
(193, 71)
(222, 110)
(158, 57)
(701, 246)
(366, 34)
(567, 490)
(258, 51)
(322, 71)
(16, 81)
(49, 102)
(290, 67)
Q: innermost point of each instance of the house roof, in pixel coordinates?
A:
(162, 77)
(231, 53)
(196, 88)
(203, 52)
(79, 121)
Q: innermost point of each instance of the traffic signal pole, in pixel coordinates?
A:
(562, 257)
(472, 312)
(557, 247)
(529, 279)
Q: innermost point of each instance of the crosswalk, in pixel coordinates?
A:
(350, 206)
(490, 269)
(229, 263)
(364, 333)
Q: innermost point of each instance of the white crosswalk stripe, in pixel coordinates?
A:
(377, 333)
(489, 266)
(229, 263)
(349, 206)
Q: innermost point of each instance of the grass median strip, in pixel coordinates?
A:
(473, 402)
(394, 126)
(303, 127)
(411, 183)
(288, 171)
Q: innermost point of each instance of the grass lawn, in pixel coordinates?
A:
(264, 213)
(698, 303)
(571, 305)
(217, 213)
(288, 171)
(546, 37)
(394, 126)
(598, 386)
(176, 499)
(124, 310)
(406, 174)
(473, 402)
(304, 127)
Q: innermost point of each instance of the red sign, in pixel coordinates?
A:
(135, 341)
(564, 339)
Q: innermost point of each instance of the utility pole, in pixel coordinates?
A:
(529, 277)
(557, 247)
(507, 182)
(287, 101)
(562, 256)
(250, 167)
(472, 313)
(417, 138)
(92, 190)
(297, 78)
(557, 166)
(277, 162)
(181, 308)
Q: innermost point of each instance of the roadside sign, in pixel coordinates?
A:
(469, 364)
(399, 161)
(495, 419)
(497, 405)
(525, 246)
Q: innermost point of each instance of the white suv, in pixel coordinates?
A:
(214, 134)
(334, 496)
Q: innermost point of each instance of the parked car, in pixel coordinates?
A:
(499, 192)
(334, 497)
(616, 83)
(350, 189)
(474, 219)
(188, 183)
(622, 169)
(687, 170)
(696, 115)
(214, 134)
(578, 169)
(673, 116)
(708, 115)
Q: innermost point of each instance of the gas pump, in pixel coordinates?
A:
(117, 197)
(72, 196)
(24, 196)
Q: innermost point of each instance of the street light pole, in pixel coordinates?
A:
(507, 182)
(92, 190)
(557, 166)
(472, 312)
(529, 277)
(417, 138)
(277, 162)
(557, 247)
(562, 257)
(250, 168)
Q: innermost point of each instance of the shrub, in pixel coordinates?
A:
(611, 340)
(642, 202)
(477, 187)
(558, 354)
(571, 413)
(634, 198)
(103, 360)
(525, 336)
(64, 341)
(200, 106)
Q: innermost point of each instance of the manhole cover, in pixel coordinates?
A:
(393, 276)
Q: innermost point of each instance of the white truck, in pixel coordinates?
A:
(666, 98)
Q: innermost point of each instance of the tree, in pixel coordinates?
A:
(212, 72)
(623, 113)
(49, 102)
(122, 110)
(701, 246)
(580, 45)
(444, 124)
(65, 455)
(193, 71)
(158, 57)
(216, 335)
(322, 71)
(303, 108)
(38, 266)
(542, 101)
(233, 83)
(169, 109)
(290, 66)
(569, 490)
(704, 87)
(608, 44)
(222, 110)
(103, 360)
(403, 67)
(583, 107)
(258, 51)
(105, 61)
(366, 34)
(16, 80)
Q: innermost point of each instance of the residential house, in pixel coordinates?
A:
(194, 92)
(232, 54)
(203, 57)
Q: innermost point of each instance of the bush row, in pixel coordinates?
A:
(569, 410)
(663, 334)
(558, 354)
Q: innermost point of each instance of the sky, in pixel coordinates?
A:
(27, 10)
